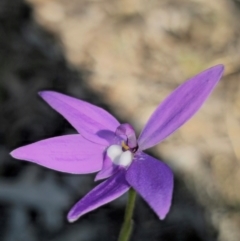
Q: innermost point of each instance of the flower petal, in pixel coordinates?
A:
(88, 119)
(108, 169)
(179, 107)
(127, 132)
(70, 154)
(102, 194)
(153, 180)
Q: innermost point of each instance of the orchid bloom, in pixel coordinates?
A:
(105, 146)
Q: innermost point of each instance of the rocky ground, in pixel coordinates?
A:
(125, 56)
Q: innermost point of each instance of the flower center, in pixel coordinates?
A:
(119, 155)
(125, 147)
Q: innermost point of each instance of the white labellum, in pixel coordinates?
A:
(118, 156)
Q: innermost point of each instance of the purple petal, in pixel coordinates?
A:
(179, 107)
(86, 118)
(153, 180)
(127, 132)
(70, 154)
(108, 169)
(104, 193)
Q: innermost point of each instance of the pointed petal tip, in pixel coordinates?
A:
(162, 216)
(19, 154)
(43, 93)
(215, 72)
(72, 215)
(16, 153)
(12, 154)
(219, 67)
(71, 218)
(70, 221)
(97, 178)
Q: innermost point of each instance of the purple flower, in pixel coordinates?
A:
(112, 148)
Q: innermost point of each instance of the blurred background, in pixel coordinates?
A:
(125, 56)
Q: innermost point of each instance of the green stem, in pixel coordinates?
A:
(127, 226)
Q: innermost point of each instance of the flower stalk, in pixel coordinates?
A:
(127, 226)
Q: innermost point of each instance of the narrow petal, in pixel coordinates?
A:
(127, 132)
(108, 169)
(70, 154)
(153, 180)
(179, 107)
(86, 118)
(102, 194)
